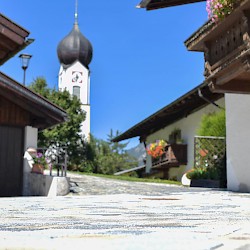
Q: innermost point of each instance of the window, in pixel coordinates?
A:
(76, 91)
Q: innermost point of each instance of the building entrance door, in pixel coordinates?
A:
(11, 161)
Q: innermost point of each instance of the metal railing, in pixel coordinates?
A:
(56, 158)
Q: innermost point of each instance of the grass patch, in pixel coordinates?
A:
(128, 178)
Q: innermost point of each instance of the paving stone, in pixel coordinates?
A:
(123, 215)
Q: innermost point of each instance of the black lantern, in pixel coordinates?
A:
(25, 58)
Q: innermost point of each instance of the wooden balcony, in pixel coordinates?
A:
(226, 47)
(174, 156)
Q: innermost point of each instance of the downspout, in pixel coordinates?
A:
(148, 163)
(209, 101)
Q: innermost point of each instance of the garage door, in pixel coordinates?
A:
(11, 161)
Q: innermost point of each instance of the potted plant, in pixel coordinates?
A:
(219, 9)
(39, 163)
(204, 177)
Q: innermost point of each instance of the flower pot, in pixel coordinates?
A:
(206, 183)
(37, 168)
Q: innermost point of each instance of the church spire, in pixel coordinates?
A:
(76, 12)
(75, 46)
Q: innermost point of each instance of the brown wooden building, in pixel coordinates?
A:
(20, 108)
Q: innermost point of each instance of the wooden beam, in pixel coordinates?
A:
(169, 3)
(234, 86)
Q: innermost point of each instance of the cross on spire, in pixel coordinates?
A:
(76, 12)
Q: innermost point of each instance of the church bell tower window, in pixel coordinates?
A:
(76, 91)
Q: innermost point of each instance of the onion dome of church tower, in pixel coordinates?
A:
(75, 47)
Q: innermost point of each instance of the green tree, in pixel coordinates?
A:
(96, 156)
(108, 157)
(67, 133)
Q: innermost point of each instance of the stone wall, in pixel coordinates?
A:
(46, 185)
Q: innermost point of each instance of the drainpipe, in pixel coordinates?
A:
(148, 163)
(209, 101)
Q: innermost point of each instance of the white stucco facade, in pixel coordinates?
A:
(188, 127)
(76, 80)
(238, 137)
(30, 141)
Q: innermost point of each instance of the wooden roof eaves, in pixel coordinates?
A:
(18, 28)
(145, 127)
(14, 52)
(154, 5)
(15, 33)
(55, 112)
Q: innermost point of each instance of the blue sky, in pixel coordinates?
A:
(140, 63)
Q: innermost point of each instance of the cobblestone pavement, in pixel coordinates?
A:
(105, 215)
(91, 185)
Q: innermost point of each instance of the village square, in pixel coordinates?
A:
(184, 185)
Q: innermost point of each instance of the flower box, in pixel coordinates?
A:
(205, 183)
(226, 47)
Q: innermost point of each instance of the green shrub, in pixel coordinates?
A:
(213, 124)
(211, 173)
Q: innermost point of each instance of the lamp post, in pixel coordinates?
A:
(25, 58)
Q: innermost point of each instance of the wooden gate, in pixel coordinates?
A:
(11, 160)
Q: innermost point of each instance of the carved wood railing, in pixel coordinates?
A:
(227, 44)
(226, 47)
(228, 41)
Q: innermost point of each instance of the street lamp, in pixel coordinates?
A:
(25, 58)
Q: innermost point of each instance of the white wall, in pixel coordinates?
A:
(238, 138)
(188, 126)
(66, 80)
(85, 126)
(30, 140)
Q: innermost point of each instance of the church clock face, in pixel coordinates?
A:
(76, 77)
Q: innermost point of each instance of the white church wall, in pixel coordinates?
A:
(85, 128)
(238, 137)
(77, 75)
(68, 79)
(188, 127)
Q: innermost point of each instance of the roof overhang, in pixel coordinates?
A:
(13, 38)
(187, 104)
(45, 114)
(157, 4)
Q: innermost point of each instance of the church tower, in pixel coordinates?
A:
(75, 54)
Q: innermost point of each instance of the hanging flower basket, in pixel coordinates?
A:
(156, 149)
